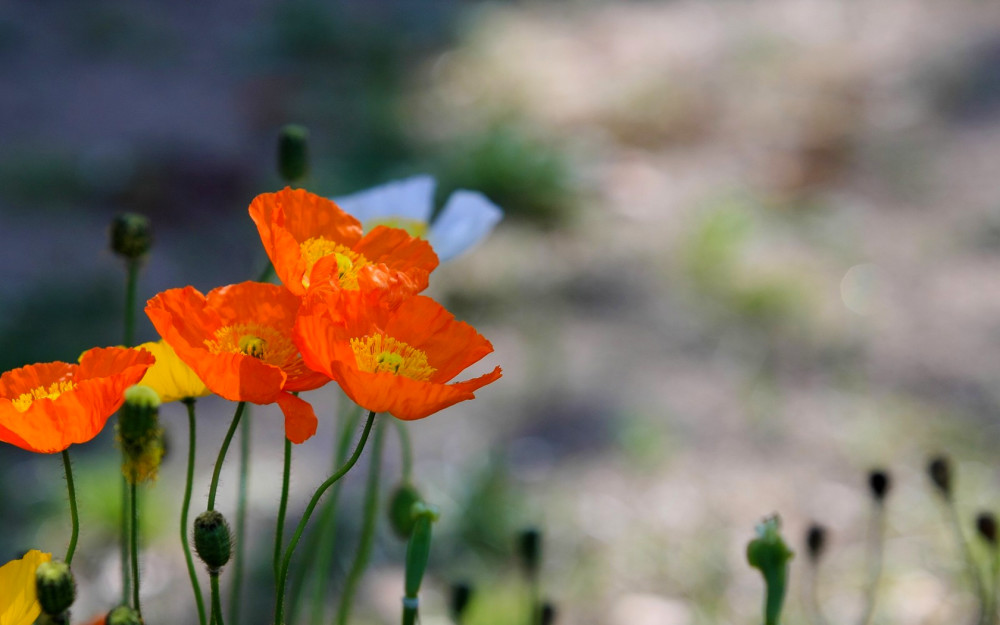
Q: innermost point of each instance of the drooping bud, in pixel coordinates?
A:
(400, 509)
(769, 553)
(529, 548)
(140, 434)
(55, 587)
(879, 484)
(123, 615)
(939, 470)
(293, 153)
(131, 236)
(815, 542)
(986, 525)
(213, 540)
(461, 595)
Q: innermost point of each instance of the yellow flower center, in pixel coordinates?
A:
(383, 354)
(261, 342)
(413, 227)
(51, 391)
(348, 261)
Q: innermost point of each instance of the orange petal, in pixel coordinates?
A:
(300, 419)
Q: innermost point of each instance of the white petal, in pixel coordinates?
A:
(465, 220)
(410, 198)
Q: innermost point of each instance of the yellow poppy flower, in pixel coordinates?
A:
(18, 604)
(170, 377)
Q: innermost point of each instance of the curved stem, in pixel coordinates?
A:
(74, 517)
(186, 507)
(322, 540)
(236, 590)
(368, 525)
(283, 574)
(134, 499)
(279, 532)
(406, 448)
(222, 454)
(216, 602)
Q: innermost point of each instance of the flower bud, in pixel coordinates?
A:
(131, 236)
(140, 434)
(461, 594)
(293, 153)
(986, 525)
(548, 613)
(400, 509)
(212, 540)
(815, 541)
(769, 554)
(879, 483)
(529, 547)
(123, 615)
(418, 548)
(939, 470)
(54, 587)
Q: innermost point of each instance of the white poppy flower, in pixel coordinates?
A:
(466, 219)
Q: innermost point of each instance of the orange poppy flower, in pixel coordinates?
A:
(47, 407)
(310, 240)
(238, 340)
(388, 357)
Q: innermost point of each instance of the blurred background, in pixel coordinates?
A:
(751, 251)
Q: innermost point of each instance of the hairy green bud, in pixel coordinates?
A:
(55, 587)
(131, 235)
(213, 540)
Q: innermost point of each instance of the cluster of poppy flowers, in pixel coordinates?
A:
(348, 310)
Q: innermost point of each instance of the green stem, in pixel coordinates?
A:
(124, 542)
(216, 602)
(406, 448)
(776, 582)
(279, 610)
(409, 614)
(368, 525)
(970, 560)
(185, 508)
(131, 279)
(74, 517)
(279, 532)
(875, 548)
(222, 454)
(235, 591)
(323, 539)
(134, 498)
(267, 273)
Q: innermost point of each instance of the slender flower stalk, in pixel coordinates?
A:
(236, 590)
(134, 547)
(186, 507)
(74, 517)
(222, 454)
(279, 532)
(216, 603)
(770, 555)
(132, 273)
(368, 524)
(879, 485)
(279, 610)
(322, 540)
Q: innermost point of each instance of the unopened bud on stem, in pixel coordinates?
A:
(212, 540)
(55, 587)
